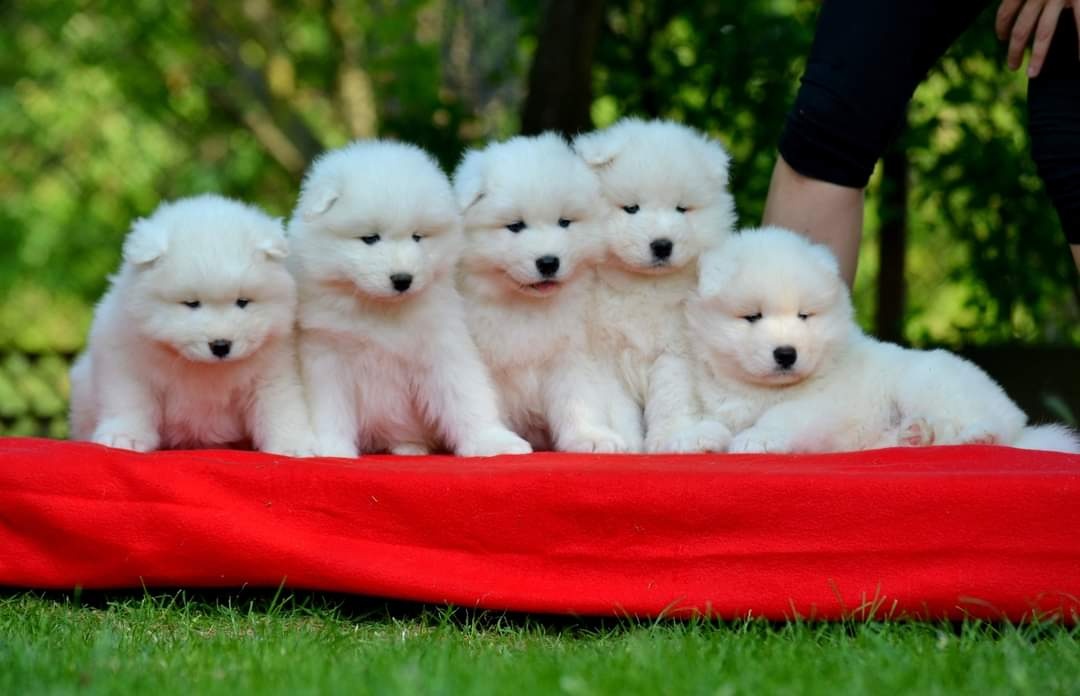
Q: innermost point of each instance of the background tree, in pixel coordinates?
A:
(560, 79)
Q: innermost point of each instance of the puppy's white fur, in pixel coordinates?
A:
(149, 379)
(843, 390)
(387, 369)
(530, 328)
(667, 186)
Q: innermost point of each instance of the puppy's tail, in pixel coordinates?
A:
(1051, 438)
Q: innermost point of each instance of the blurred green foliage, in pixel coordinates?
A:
(106, 108)
(33, 395)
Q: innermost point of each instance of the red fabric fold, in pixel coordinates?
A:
(990, 532)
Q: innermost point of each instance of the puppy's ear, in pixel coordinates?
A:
(717, 162)
(715, 269)
(146, 243)
(319, 196)
(276, 248)
(470, 180)
(823, 255)
(599, 148)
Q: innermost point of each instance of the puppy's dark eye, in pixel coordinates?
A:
(631, 208)
(370, 239)
(752, 317)
(193, 304)
(417, 237)
(680, 209)
(563, 222)
(805, 315)
(243, 302)
(516, 227)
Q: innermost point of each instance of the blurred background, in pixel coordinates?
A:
(108, 107)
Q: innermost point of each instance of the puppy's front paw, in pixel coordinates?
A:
(342, 449)
(288, 442)
(594, 441)
(755, 441)
(126, 438)
(410, 449)
(492, 442)
(703, 436)
(291, 446)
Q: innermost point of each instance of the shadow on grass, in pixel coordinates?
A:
(360, 610)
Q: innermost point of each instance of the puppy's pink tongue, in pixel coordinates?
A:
(544, 286)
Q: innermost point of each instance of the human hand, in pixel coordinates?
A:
(1017, 19)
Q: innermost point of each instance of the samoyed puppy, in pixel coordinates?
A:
(192, 346)
(785, 368)
(385, 353)
(533, 219)
(667, 185)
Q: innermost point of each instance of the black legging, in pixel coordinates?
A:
(867, 60)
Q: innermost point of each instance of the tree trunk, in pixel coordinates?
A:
(274, 122)
(560, 80)
(893, 244)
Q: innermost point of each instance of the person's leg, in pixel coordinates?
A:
(1054, 127)
(866, 61)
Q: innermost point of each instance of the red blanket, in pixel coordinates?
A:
(938, 532)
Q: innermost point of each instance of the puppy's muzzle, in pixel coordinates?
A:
(220, 348)
(785, 356)
(548, 266)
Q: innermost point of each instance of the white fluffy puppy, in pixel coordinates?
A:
(192, 346)
(668, 185)
(532, 212)
(786, 369)
(385, 353)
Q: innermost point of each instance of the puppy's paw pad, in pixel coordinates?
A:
(493, 442)
(975, 435)
(137, 443)
(410, 449)
(957, 433)
(945, 432)
(915, 432)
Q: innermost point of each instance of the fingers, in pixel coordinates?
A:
(1044, 34)
(1006, 15)
(1021, 31)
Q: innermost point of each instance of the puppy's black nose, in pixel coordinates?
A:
(785, 356)
(547, 265)
(661, 248)
(220, 347)
(401, 281)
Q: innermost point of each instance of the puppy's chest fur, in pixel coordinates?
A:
(206, 405)
(388, 357)
(388, 386)
(523, 344)
(633, 319)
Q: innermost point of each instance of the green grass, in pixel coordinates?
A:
(257, 642)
